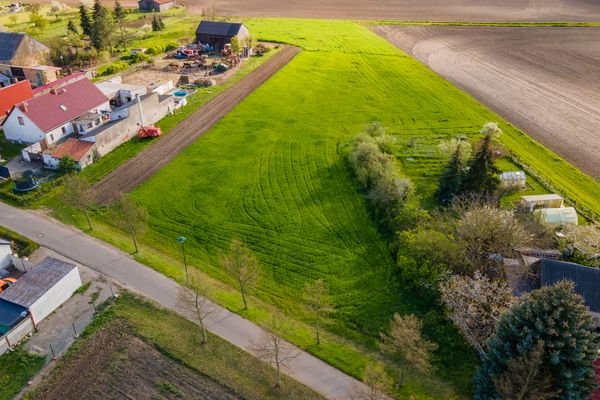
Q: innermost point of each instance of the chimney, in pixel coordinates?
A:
(24, 106)
(53, 91)
(15, 80)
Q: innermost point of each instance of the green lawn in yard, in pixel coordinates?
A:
(8, 150)
(16, 369)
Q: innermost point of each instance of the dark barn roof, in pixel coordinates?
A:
(212, 28)
(586, 279)
(9, 43)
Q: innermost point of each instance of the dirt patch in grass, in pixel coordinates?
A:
(115, 364)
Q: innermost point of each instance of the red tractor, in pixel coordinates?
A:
(149, 131)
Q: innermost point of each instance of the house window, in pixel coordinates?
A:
(21, 120)
(51, 137)
(89, 125)
(64, 130)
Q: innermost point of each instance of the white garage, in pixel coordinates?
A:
(44, 288)
(5, 253)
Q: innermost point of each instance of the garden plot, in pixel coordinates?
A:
(544, 80)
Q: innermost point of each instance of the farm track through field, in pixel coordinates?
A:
(145, 164)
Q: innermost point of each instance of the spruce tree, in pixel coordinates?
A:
(161, 23)
(155, 24)
(84, 20)
(451, 180)
(102, 30)
(482, 175)
(119, 15)
(556, 317)
(72, 28)
(96, 9)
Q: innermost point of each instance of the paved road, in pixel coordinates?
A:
(152, 159)
(119, 266)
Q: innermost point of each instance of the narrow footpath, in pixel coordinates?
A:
(100, 256)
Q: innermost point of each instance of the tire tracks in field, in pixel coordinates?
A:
(146, 163)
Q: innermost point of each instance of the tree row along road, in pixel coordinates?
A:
(76, 245)
(145, 164)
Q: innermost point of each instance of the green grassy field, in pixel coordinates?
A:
(16, 369)
(272, 174)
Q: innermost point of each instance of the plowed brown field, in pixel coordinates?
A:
(546, 81)
(148, 162)
(113, 364)
(421, 10)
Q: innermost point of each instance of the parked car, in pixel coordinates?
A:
(5, 283)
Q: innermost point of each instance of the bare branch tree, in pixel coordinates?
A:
(275, 351)
(129, 216)
(476, 304)
(193, 298)
(243, 266)
(317, 303)
(76, 193)
(405, 340)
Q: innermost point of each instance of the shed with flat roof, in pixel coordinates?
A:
(542, 201)
(44, 288)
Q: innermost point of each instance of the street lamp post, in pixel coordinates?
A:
(181, 240)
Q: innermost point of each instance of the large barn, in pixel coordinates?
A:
(218, 34)
(21, 50)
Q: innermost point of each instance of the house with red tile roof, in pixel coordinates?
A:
(68, 106)
(80, 151)
(13, 94)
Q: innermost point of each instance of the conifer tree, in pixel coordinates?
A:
(161, 23)
(155, 24)
(84, 20)
(119, 15)
(451, 180)
(482, 175)
(556, 317)
(72, 28)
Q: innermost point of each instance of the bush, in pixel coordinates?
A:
(112, 68)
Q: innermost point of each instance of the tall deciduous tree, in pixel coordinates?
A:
(130, 216)
(76, 194)
(482, 176)
(317, 303)
(526, 378)
(242, 265)
(405, 341)
(487, 233)
(84, 20)
(476, 305)
(556, 317)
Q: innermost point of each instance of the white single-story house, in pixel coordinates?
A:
(5, 253)
(52, 114)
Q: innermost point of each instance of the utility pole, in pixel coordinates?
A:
(181, 240)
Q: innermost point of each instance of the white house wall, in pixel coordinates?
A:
(15, 132)
(57, 134)
(56, 296)
(5, 255)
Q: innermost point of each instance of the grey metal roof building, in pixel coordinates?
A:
(586, 279)
(21, 50)
(37, 282)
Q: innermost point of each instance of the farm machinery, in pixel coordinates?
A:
(149, 131)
